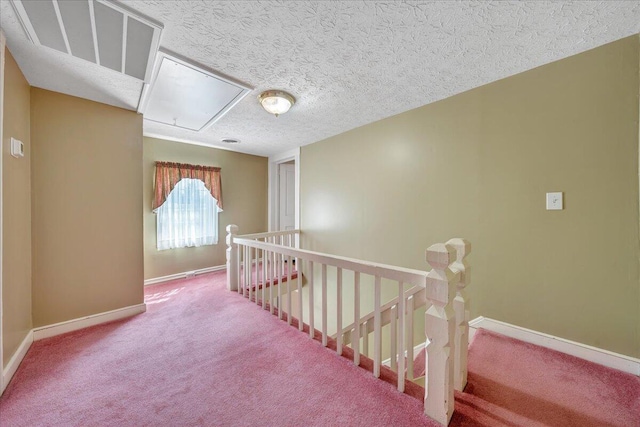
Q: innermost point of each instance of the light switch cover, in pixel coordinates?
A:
(554, 201)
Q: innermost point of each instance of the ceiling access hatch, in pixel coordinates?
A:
(99, 31)
(188, 95)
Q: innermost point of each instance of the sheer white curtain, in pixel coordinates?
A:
(189, 217)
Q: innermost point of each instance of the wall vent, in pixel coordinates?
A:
(99, 31)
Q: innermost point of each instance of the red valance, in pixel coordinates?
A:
(169, 174)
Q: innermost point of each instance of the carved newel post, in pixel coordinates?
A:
(461, 308)
(232, 258)
(440, 331)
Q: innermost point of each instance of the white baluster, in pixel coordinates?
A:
(355, 340)
(237, 267)
(324, 305)
(340, 335)
(280, 277)
(377, 328)
(311, 311)
(300, 305)
(264, 278)
(440, 331)
(256, 260)
(232, 263)
(461, 308)
(245, 271)
(365, 338)
(289, 315)
(274, 265)
(410, 353)
(401, 332)
(249, 269)
(393, 338)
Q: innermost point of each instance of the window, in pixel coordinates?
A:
(188, 217)
(193, 197)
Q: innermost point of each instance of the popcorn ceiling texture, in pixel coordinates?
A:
(348, 63)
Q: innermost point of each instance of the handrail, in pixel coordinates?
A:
(406, 275)
(268, 234)
(255, 268)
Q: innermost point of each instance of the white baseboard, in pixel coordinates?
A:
(593, 354)
(84, 322)
(183, 275)
(15, 361)
(416, 349)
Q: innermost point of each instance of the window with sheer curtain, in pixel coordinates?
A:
(186, 208)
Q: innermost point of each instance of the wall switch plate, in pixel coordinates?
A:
(17, 148)
(554, 201)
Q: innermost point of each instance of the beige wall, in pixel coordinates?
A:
(477, 165)
(16, 211)
(244, 192)
(86, 198)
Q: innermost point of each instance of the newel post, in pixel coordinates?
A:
(232, 258)
(440, 331)
(461, 308)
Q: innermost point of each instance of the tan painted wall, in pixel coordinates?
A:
(16, 211)
(477, 165)
(86, 198)
(244, 192)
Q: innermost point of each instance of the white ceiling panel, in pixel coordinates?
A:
(109, 27)
(45, 24)
(185, 96)
(139, 41)
(77, 24)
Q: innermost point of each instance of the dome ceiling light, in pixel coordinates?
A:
(276, 102)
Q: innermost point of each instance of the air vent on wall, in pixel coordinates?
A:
(99, 31)
(188, 95)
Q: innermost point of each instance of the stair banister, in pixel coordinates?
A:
(233, 263)
(460, 306)
(440, 333)
(446, 320)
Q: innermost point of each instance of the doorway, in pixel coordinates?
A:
(286, 196)
(284, 191)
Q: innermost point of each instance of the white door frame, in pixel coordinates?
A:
(274, 188)
(3, 42)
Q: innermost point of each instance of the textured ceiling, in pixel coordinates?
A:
(348, 63)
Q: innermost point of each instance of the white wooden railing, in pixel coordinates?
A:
(257, 260)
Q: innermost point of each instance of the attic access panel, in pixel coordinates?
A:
(188, 96)
(99, 31)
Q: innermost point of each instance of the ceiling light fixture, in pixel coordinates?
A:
(276, 102)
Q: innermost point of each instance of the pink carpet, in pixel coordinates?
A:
(512, 383)
(204, 356)
(200, 356)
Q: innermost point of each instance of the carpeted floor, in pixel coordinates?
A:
(512, 383)
(204, 356)
(200, 356)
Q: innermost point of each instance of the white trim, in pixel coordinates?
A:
(3, 42)
(16, 359)
(183, 275)
(274, 161)
(84, 322)
(600, 356)
(416, 349)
